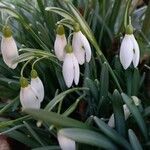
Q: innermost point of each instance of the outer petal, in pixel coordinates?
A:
(136, 56)
(126, 51)
(68, 69)
(65, 143)
(9, 51)
(28, 98)
(111, 121)
(78, 48)
(86, 47)
(76, 69)
(59, 45)
(37, 84)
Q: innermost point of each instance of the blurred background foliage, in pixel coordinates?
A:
(35, 28)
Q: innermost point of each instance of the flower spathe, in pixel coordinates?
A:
(81, 47)
(71, 71)
(28, 97)
(37, 85)
(9, 48)
(129, 51)
(60, 43)
(65, 143)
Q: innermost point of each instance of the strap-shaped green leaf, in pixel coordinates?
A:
(136, 114)
(118, 113)
(55, 119)
(111, 133)
(88, 137)
(134, 140)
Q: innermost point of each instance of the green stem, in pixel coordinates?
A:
(38, 61)
(21, 73)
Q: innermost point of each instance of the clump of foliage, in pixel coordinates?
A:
(80, 113)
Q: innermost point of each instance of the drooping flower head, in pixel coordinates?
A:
(64, 142)
(28, 96)
(60, 43)
(9, 48)
(129, 50)
(81, 46)
(37, 85)
(71, 71)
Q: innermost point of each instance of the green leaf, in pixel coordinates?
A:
(61, 12)
(135, 81)
(92, 88)
(88, 137)
(47, 148)
(136, 114)
(118, 113)
(104, 80)
(134, 141)
(111, 133)
(60, 97)
(55, 119)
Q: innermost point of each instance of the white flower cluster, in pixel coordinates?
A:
(31, 95)
(72, 56)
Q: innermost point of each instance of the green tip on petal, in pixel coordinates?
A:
(68, 48)
(24, 82)
(60, 30)
(34, 74)
(7, 32)
(129, 29)
(76, 27)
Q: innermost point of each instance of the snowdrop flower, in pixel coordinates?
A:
(28, 97)
(71, 69)
(127, 113)
(64, 142)
(9, 48)
(81, 46)
(129, 50)
(60, 43)
(37, 85)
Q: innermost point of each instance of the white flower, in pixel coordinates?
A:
(28, 98)
(65, 143)
(9, 48)
(60, 43)
(129, 51)
(37, 85)
(28, 95)
(81, 47)
(71, 69)
(9, 51)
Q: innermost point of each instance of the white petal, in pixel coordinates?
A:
(111, 121)
(68, 70)
(65, 143)
(76, 69)
(77, 48)
(126, 51)
(37, 84)
(9, 51)
(28, 98)
(86, 47)
(136, 56)
(59, 45)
